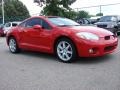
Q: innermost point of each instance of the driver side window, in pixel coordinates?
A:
(37, 21)
(45, 25)
(31, 22)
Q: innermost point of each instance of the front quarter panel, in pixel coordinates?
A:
(59, 32)
(13, 33)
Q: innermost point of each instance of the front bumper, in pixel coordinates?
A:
(96, 48)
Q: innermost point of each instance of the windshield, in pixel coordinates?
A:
(62, 21)
(107, 18)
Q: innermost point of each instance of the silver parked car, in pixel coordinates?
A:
(9, 25)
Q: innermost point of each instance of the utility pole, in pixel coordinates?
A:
(3, 17)
(100, 9)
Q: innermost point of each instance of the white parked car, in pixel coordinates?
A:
(9, 25)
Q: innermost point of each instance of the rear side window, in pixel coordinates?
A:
(14, 24)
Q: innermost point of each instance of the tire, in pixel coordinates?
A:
(13, 46)
(65, 50)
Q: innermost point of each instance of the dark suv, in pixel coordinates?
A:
(112, 23)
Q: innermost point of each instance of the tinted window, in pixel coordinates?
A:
(35, 21)
(14, 24)
(32, 22)
(45, 25)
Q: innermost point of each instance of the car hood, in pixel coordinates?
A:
(95, 30)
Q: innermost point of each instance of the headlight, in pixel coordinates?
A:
(87, 35)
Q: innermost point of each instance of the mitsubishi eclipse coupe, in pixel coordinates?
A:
(62, 37)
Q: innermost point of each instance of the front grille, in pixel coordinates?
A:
(102, 26)
(109, 48)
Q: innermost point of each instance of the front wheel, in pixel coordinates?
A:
(65, 50)
(13, 47)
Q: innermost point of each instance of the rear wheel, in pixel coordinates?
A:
(13, 47)
(65, 50)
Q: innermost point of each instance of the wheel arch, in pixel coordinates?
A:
(64, 37)
(8, 38)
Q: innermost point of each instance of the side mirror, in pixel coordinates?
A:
(39, 27)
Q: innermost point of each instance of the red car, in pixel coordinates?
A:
(61, 36)
(1, 31)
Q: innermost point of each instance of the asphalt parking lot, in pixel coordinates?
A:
(38, 71)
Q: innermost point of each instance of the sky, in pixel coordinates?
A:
(106, 10)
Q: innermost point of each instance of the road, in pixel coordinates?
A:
(38, 71)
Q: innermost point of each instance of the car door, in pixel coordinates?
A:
(46, 37)
(34, 39)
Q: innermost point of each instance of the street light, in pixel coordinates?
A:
(3, 18)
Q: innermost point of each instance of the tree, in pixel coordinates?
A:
(14, 10)
(65, 3)
(83, 14)
(56, 7)
(99, 14)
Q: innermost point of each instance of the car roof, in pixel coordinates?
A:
(44, 17)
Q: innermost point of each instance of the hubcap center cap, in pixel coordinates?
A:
(64, 51)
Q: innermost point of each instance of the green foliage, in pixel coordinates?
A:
(65, 3)
(14, 10)
(71, 14)
(83, 14)
(99, 14)
(57, 8)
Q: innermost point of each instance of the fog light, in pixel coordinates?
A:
(91, 51)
